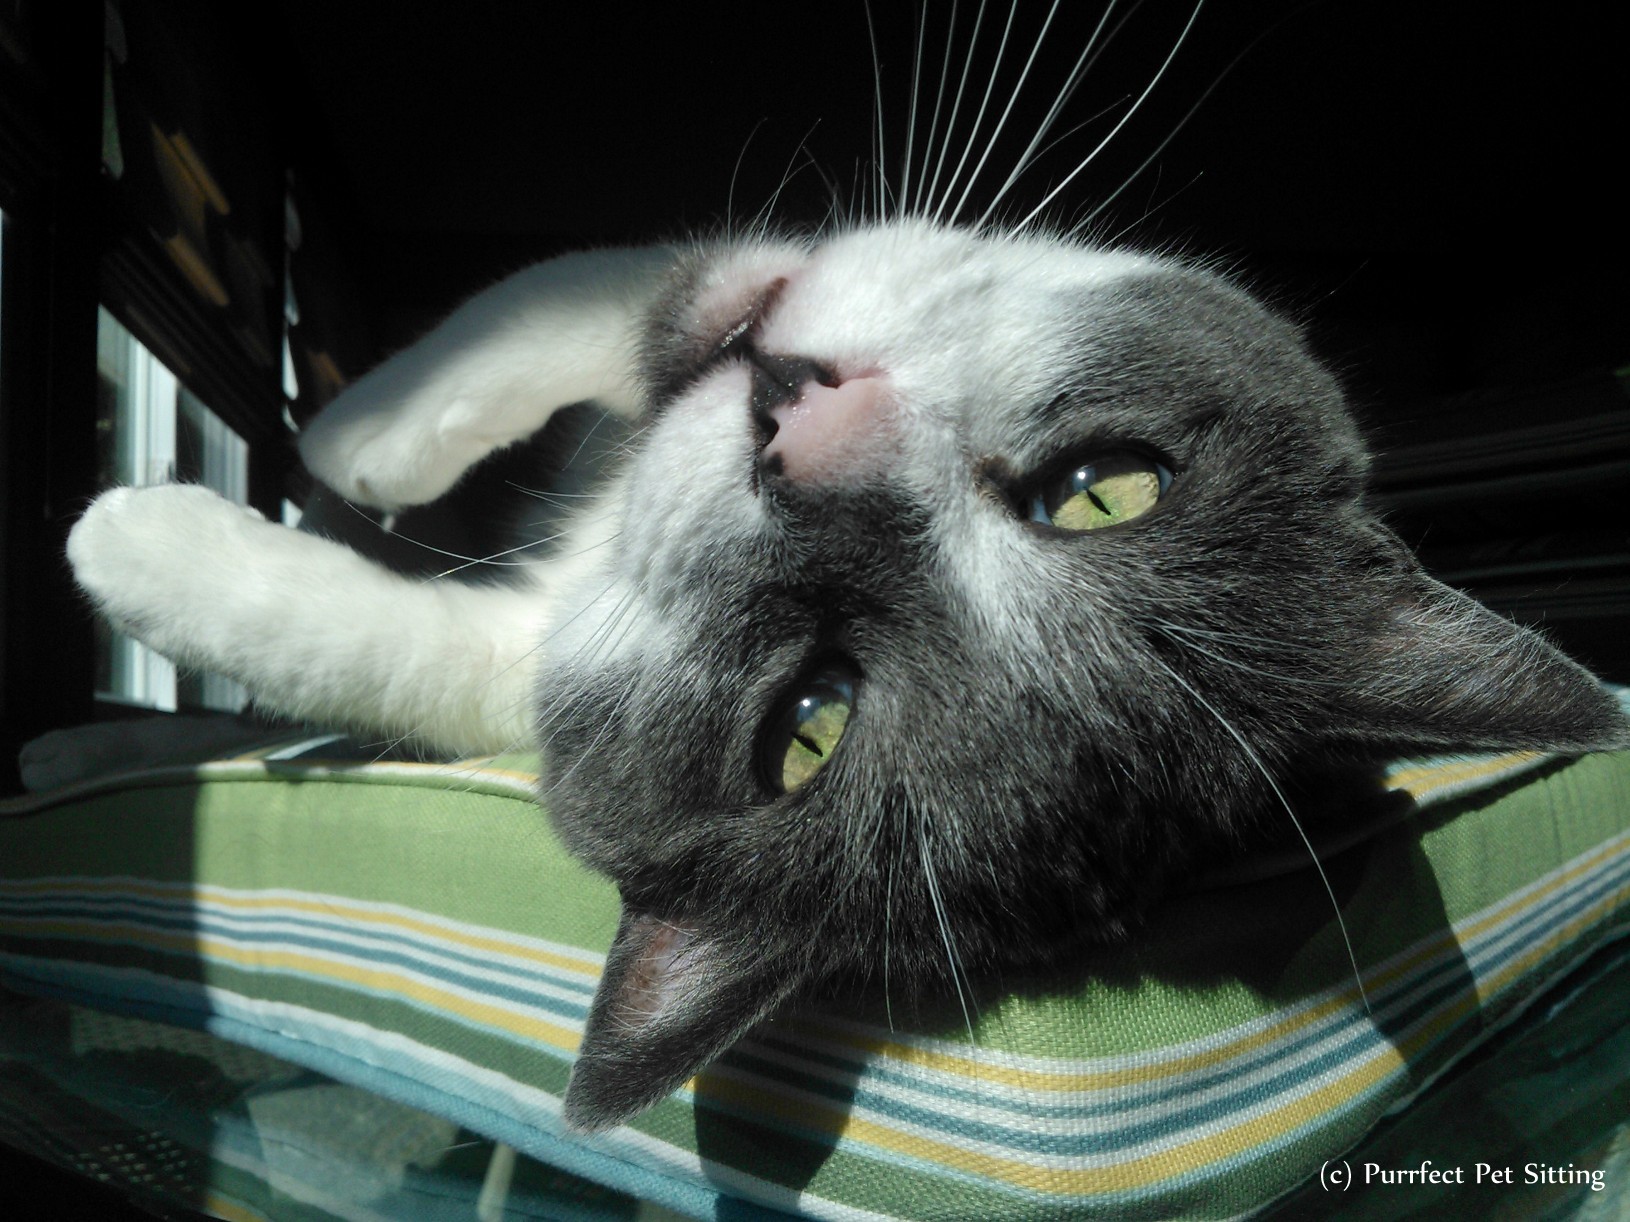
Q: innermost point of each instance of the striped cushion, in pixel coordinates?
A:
(417, 930)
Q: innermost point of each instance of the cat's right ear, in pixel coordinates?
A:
(1440, 670)
(671, 999)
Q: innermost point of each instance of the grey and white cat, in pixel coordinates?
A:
(958, 588)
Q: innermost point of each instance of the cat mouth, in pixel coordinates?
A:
(807, 421)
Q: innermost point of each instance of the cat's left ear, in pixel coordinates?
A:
(672, 998)
(1442, 671)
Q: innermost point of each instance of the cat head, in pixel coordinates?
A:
(963, 589)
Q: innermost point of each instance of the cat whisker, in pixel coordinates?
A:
(735, 173)
(877, 103)
(613, 537)
(979, 118)
(858, 215)
(1062, 138)
(1083, 64)
(1180, 124)
(924, 188)
(1256, 761)
(602, 632)
(1216, 634)
(888, 921)
(620, 447)
(838, 213)
(630, 444)
(524, 701)
(495, 559)
(911, 110)
(956, 104)
(420, 732)
(1119, 235)
(834, 195)
(547, 713)
(1175, 633)
(1001, 122)
(595, 648)
(760, 224)
(1148, 89)
(588, 435)
(540, 494)
(546, 717)
(593, 746)
(468, 561)
(952, 958)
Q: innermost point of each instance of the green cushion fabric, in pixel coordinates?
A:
(417, 930)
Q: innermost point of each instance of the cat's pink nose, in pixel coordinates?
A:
(833, 433)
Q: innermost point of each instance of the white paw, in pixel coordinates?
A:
(391, 459)
(141, 552)
(61, 757)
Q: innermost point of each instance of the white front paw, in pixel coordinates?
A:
(61, 757)
(391, 460)
(143, 552)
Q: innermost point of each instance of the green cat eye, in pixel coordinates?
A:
(1104, 492)
(807, 730)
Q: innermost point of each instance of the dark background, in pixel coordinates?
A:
(1433, 186)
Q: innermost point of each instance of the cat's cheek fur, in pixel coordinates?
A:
(689, 491)
(1002, 578)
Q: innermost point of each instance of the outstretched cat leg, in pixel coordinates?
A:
(490, 375)
(312, 629)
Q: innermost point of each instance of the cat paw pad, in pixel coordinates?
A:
(133, 543)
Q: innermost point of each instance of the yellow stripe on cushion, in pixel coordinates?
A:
(379, 981)
(326, 906)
